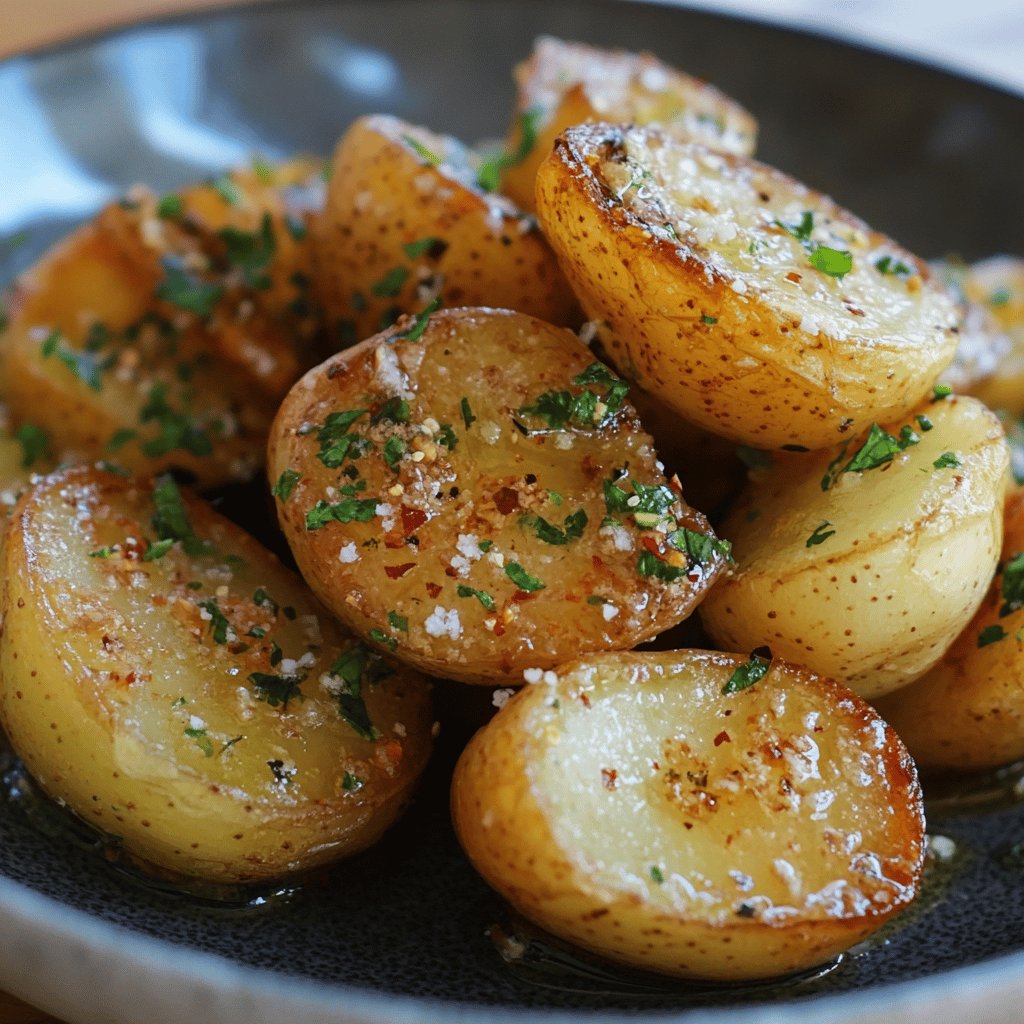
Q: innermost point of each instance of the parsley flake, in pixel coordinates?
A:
(350, 510)
(820, 535)
(522, 579)
(481, 595)
(750, 672)
(286, 484)
(572, 529)
(991, 635)
(488, 175)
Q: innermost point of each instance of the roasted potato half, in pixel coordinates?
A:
(170, 682)
(864, 562)
(758, 309)
(407, 222)
(164, 332)
(968, 711)
(474, 493)
(997, 286)
(661, 811)
(565, 83)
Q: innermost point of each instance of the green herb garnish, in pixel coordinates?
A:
(753, 670)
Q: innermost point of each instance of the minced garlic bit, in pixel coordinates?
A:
(502, 697)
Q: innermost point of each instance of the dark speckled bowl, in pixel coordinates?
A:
(399, 935)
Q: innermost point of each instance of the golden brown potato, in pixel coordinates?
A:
(407, 223)
(756, 308)
(23, 451)
(564, 84)
(968, 711)
(164, 332)
(171, 683)
(474, 493)
(653, 810)
(997, 285)
(864, 562)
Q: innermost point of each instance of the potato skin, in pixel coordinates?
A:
(967, 713)
(635, 809)
(405, 221)
(870, 579)
(699, 265)
(564, 83)
(128, 704)
(163, 332)
(460, 531)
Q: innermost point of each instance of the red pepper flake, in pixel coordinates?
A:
(590, 467)
(506, 499)
(652, 545)
(433, 589)
(395, 572)
(609, 778)
(596, 562)
(394, 540)
(585, 700)
(499, 627)
(412, 519)
(522, 596)
(722, 737)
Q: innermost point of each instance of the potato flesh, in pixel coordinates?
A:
(968, 711)
(463, 505)
(406, 221)
(912, 549)
(97, 354)
(128, 691)
(564, 84)
(634, 808)
(692, 260)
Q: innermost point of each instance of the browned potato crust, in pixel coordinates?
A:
(564, 83)
(170, 682)
(163, 332)
(441, 500)
(968, 711)
(406, 222)
(758, 309)
(633, 806)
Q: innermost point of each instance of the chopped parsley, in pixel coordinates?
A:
(522, 579)
(699, 547)
(657, 875)
(572, 529)
(350, 783)
(171, 520)
(277, 691)
(650, 565)
(391, 283)
(202, 741)
(336, 443)
(1013, 585)
(350, 510)
(350, 670)
(85, 364)
(889, 265)
(419, 324)
(481, 595)
(187, 291)
(170, 207)
(157, 550)
(446, 436)
(750, 672)
(820, 534)
(947, 460)
(924, 423)
(35, 444)
(219, 625)
(879, 448)
(399, 622)
(378, 636)
(394, 410)
(286, 484)
(175, 430)
(562, 409)
(432, 248)
(834, 262)
(488, 175)
(467, 413)
(941, 391)
(423, 152)
(251, 251)
(394, 449)
(991, 635)
(710, 320)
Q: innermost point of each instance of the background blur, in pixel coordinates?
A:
(984, 38)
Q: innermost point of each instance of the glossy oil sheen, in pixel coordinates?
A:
(929, 158)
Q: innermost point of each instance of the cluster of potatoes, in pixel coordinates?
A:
(442, 356)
